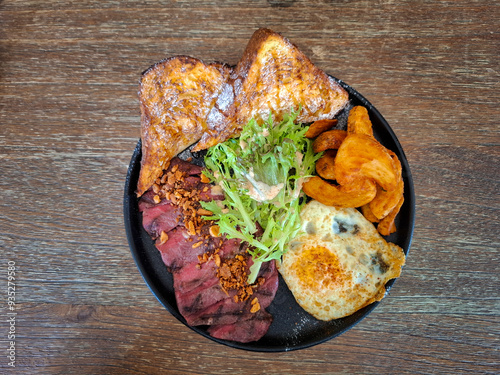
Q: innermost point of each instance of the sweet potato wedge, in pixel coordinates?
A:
(356, 194)
(359, 122)
(361, 156)
(329, 140)
(368, 214)
(325, 166)
(386, 200)
(320, 126)
(387, 225)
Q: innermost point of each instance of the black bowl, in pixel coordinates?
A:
(292, 327)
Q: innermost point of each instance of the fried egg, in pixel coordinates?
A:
(340, 264)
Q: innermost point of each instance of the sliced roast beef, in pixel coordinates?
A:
(230, 247)
(201, 300)
(225, 311)
(181, 248)
(267, 291)
(162, 217)
(185, 166)
(147, 200)
(194, 277)
(244, 330)
(199, 295)
(194, 183)
(214, 193)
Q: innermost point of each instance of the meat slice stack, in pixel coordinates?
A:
(197, 255)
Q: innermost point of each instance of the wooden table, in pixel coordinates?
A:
(69, 122)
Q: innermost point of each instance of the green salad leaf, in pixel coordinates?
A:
(261, 174)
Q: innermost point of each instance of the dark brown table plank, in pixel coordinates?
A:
(69, 122)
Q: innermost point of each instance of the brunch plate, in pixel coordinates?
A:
(292, 327)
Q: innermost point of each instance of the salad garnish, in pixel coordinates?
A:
(261, 174)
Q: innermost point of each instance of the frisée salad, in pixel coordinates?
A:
(261, 174)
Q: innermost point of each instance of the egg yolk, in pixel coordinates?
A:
(319, 268)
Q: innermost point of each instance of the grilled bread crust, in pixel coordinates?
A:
(272, 78)
(176, 96)
(184, 100)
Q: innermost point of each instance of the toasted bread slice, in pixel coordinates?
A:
(176, 96)
(273, 77)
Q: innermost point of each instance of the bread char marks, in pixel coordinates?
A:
(273, 77)
(183, 100)
(176, 96)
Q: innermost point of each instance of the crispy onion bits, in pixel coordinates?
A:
(233, 276)
(232, 272)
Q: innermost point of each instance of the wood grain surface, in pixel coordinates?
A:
(69, 122)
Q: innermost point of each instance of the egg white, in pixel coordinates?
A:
(340, 264)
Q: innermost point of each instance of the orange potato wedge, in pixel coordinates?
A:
(386, 200)
(354, 195)
(359, 122)
(387, 225)
(329, 140)
(361, 156)
(368, 214)
(320, 126)
(325, 166)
